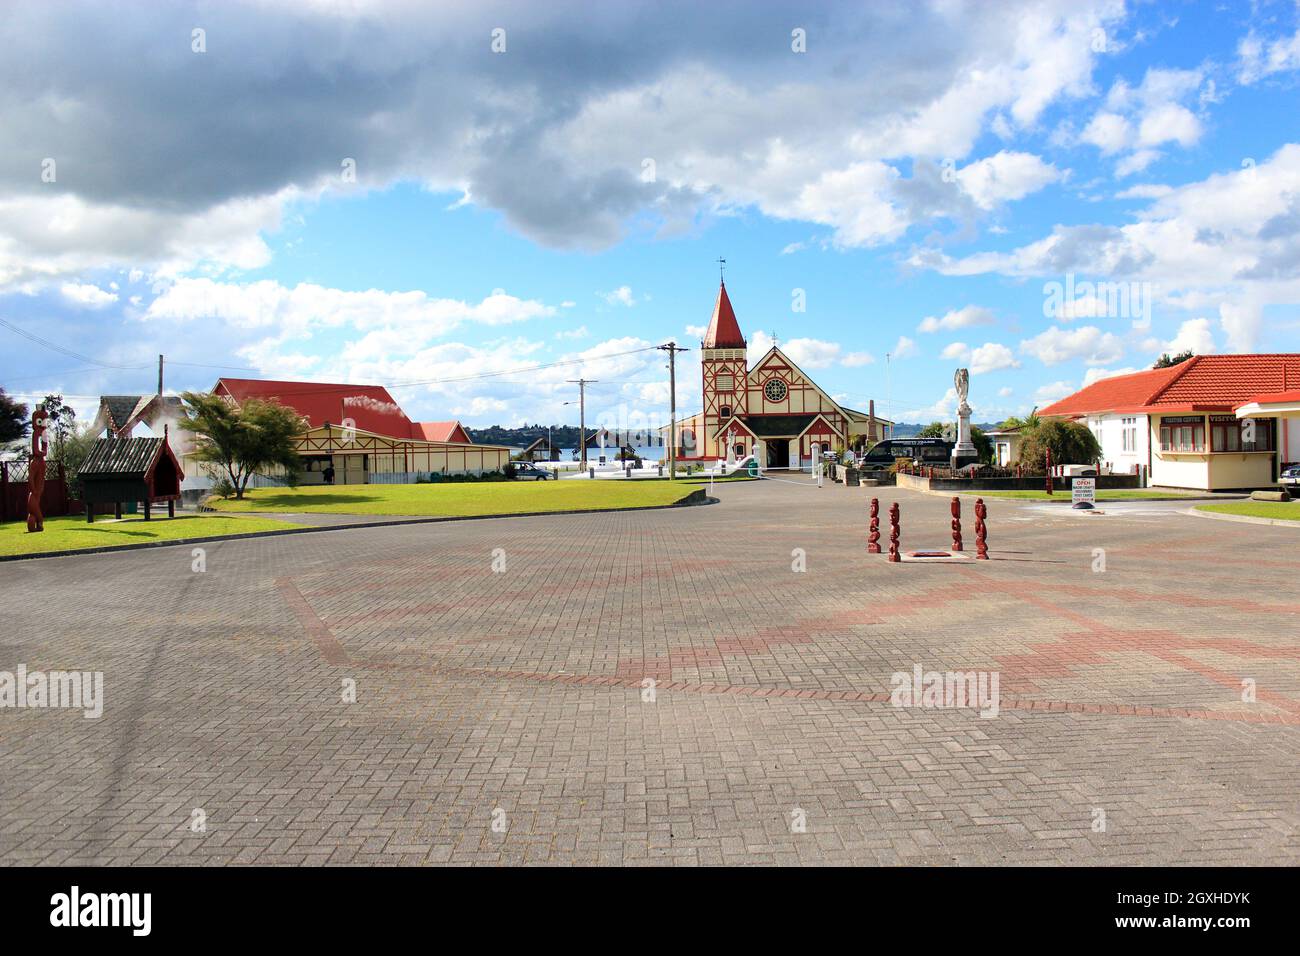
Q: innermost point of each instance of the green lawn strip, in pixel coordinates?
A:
(462, 499)
(72, 533)
(1283, 510)
(1103, 494)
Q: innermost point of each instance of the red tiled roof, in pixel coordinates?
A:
(724, 330)
(1274, 398)
(1203, 383)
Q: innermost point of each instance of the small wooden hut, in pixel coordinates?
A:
(131, 469)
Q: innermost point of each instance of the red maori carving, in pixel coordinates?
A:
(893, 533)
(36, 472)
(1049, 471)
(873, 538)
(956, 523)
(981, 531)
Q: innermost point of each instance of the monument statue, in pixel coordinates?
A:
(36, 471)
(964, 452)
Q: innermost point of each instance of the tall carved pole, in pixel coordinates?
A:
(873, 537)
(1049, 471)
(981, 531)
(956, 523)
(36, 472)
(893, 533)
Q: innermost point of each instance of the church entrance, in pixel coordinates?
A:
(778, 453)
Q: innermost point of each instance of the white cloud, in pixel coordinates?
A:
(905, 348)
(579, 333)
(811, 353)
(1005, 176)
(1145, 191)
(1097, 374)
(1194, 335)
(963, 318)
(1088, 343)
(956, 351)
(1109, 132)
(1137, 120)
(1258, 58)
(990, 357)
(858, 359)
(620, 296)
(1050, 393)
(87, 296)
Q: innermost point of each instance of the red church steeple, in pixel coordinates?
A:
(724, 330)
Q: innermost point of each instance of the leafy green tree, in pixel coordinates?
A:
(14, 420)
(1070, 442)
(983, 444)
(1030, 421)
(1169, 361)
(62, 422)
(244, 439)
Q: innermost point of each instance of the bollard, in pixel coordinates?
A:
(956, 523)
(627, 472)
(981, 531)
(873, 536)
(1049, 471)
(591, 472)
(893, 533)
(661, 471)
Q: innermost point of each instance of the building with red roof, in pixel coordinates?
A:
(1213, 422)
(772, 409)
(359, 434)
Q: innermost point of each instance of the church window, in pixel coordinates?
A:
(725, 382)
(775, 390)
(724, 411)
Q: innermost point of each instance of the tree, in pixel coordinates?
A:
(76, 446)
(947, 430)
(62, 422)
(1169, 361)
(1070, 443)
(1029, 422)
(14, 420)
(244, 439)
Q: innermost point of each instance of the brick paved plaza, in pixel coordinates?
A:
(517, 696)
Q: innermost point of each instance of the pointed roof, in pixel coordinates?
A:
(724, 330)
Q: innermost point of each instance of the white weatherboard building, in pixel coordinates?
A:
(1214, 422)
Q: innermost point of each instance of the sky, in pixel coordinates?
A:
(476, 203)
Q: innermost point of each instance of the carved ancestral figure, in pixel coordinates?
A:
(956, 523)
(36, 472)
(981, 531)
(893, 533)
(873, 539)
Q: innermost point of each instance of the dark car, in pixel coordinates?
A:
(529, 470)
(927, 451)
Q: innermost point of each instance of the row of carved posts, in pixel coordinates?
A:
(981, 529)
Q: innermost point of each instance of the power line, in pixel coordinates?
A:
(54, 346)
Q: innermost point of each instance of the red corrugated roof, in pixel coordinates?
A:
(724, 330)
(451, 431)
(369, 406)
(1203, 383)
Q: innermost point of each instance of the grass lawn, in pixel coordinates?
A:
(463, 499)
(1103, 494)
(72, 532)
(1286, 510)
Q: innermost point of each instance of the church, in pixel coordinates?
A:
(772, 410)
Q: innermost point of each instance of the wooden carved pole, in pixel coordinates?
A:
(981, 531)
(873, 537)
(36, 472)
(893, 532)
(956, 523)
(1049, 471)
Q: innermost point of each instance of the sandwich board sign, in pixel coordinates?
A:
(1083, 490)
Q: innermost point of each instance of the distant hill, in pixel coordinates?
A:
(564, 436)
(909, 429)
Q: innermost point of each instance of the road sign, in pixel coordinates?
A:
(1083, 489)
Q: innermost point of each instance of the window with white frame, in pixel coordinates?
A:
(1129, 434)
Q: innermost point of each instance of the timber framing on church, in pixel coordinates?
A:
(772, 410)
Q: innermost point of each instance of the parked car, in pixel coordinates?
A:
(926, 451)
(1290, 476)
(526, 469)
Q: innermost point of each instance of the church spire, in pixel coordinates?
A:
(724, 330)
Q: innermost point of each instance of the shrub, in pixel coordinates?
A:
(1070, 442)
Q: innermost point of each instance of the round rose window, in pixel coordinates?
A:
(774, 390)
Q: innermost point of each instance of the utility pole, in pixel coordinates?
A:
(582, 384)
(160, 370)
(672, 348)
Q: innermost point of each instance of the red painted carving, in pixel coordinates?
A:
(981, 531)
(873, 538)
(1049, 471)
(893, 533)
(36, 472)
(956, 523)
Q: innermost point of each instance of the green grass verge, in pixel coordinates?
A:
(1284, 510)
(1103, 494)
(468, 499)
(72, 533)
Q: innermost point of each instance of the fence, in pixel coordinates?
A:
(13, 491)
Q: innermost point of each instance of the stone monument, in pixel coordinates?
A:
(964, 452)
